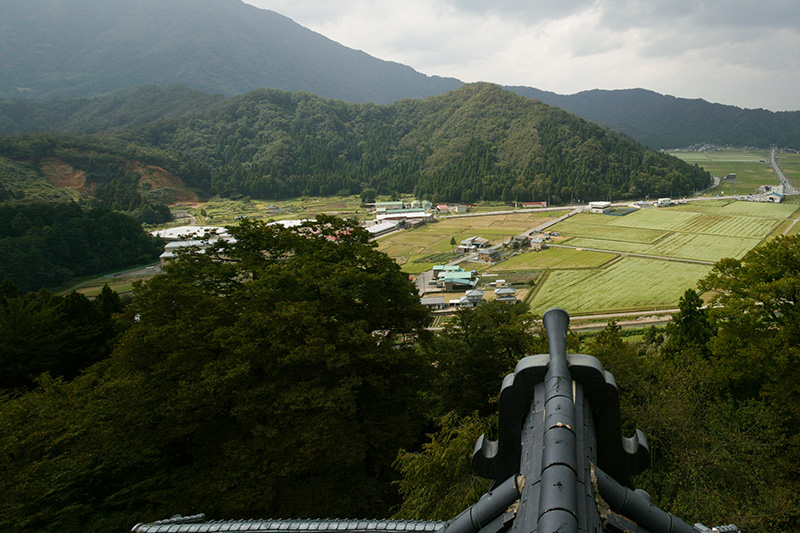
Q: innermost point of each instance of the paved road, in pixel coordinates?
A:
(788, 188)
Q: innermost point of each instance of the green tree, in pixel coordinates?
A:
(476, 350)
(689, 328)
(269, 376)
(437, 482)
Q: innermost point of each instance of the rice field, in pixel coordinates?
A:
(553, 258)
(628, 284)
(705, 231)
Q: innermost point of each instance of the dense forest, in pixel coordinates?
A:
(289, 374)
(46, 244)
(477, 143)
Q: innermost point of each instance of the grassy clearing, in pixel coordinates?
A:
(631, 283)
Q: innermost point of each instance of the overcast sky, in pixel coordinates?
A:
(737, 52)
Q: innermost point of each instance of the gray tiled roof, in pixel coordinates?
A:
(197, 523)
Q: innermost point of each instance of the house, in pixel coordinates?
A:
(490, 255)
(538, 244)
(519, 241)
(559, 462)
(599, 207)
(506, 294)
(471, 299)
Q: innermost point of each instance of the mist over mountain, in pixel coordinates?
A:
(71, 48)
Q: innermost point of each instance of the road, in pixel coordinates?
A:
(788, 188)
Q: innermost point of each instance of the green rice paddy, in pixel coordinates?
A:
(628, 284)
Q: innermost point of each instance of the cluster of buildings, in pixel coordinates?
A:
(200, 237)
(766, 193)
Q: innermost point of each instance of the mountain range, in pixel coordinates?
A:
(74, 50)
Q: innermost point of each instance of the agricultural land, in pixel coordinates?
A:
(643, 261)
(751, 167)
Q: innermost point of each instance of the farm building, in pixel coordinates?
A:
(403, 214)
(189, 232)
(491, 254)
(458, 209)
(663, 202)
(440, 270)
(528, 205)
(433, 302)
(472, 244)
(599, 207)
(171, 250)
(458, 280)
(382, 228)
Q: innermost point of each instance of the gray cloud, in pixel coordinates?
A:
(739, 52)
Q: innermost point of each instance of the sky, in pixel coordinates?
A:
(737, 52)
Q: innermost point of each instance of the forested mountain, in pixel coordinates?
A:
(108, 112)
(80, 48)
(69, 48)
(661, 121)
(479, 142)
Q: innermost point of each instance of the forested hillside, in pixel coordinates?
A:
(476, 143)
(661, 121)
(44, 244)
(108, 112)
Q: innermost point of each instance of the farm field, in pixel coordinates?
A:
(628, 284)
(704, 230)
(790, 164)
(553, 258)
(409, 246)
(750, 171)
